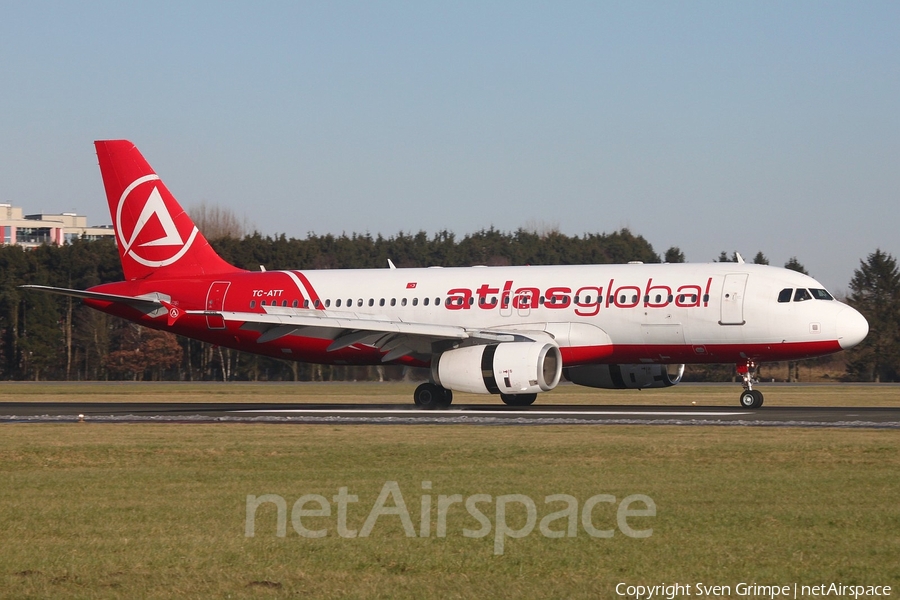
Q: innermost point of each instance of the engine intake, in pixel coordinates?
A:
(507, 368)
(621, 377)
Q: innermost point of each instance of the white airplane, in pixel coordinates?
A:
(511, 331)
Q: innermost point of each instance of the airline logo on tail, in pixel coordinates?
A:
(145, 227)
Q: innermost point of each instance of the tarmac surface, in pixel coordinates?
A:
(475, 414)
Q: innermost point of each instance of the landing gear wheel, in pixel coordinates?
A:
(751, 398)
(518, 399)
(430, 396)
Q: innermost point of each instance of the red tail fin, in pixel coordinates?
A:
(154, 234)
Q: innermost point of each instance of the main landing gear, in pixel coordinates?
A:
(750, 398)
(518, 399)
(430, 396)
(433, 397)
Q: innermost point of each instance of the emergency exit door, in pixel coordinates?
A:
(215, 302)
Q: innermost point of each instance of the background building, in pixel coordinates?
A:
(33, 230)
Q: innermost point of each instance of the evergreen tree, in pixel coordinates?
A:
(674, 255)
(760, 259)
(875, 292)
(723, 257)
(794, 265)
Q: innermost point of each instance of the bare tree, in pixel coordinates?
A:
(217, 222)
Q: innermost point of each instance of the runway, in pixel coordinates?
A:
(473, 414)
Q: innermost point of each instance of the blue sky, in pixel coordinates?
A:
(771, 126)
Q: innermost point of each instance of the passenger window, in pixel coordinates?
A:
(263, 303)
(295, 303)
(381, 302)
(415, 301)
(337, 303)
(306, 304)
(426, 301)
(393, 302)
(252, 303)
(359, 302)
(801, 294)
(821, 294)
(371, 301)
(785, 295)
(284, 302)
(328, 303)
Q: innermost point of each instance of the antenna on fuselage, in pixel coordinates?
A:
(391, 264)
(739, 258)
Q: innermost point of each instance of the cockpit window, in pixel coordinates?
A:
(801, 295)
(821, 294)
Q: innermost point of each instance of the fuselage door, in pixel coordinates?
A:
(523, 302)
(215, 301)
(733, 299)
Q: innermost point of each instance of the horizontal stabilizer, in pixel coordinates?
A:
(132, 300)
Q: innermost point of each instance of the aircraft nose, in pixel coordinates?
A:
(852, 327)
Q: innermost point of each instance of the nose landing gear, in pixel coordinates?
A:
(750, 398)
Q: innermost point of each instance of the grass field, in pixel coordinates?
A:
(717, 394)
(160, 510)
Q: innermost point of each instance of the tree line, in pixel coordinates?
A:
(48, 337)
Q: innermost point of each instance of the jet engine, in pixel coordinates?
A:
(621, 377)
(506, 368)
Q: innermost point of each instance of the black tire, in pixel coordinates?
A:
(759, 398)
(518, 399)
(751, 399)
(431, 397)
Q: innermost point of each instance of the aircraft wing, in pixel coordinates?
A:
(397, 338)
(394, 337)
